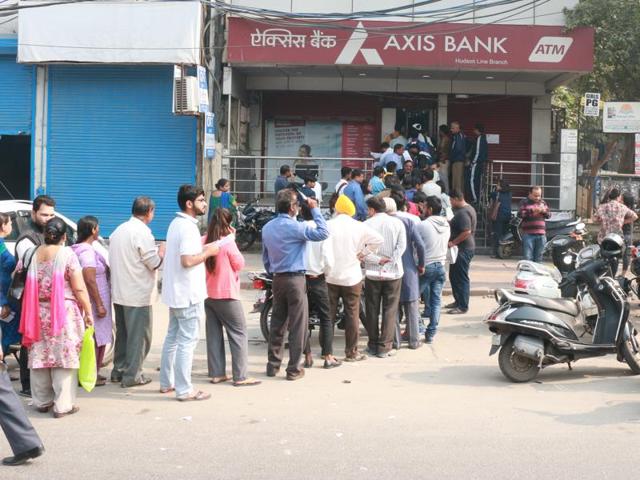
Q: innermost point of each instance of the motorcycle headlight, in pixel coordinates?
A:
(580, 226)
(567, 259)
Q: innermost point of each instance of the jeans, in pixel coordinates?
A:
(532, 246)
(178, 348)
(459, 278)
(431, 284)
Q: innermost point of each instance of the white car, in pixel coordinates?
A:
(20, 213)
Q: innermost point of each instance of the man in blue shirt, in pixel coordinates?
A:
(284, 242)
(282, 181)
(396, 156)
(355, 194)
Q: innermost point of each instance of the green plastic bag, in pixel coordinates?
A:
(88, 374)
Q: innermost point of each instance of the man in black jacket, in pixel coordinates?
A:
(479, 157)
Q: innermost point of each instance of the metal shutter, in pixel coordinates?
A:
(509, 117)
(112, 137)
(16, 96)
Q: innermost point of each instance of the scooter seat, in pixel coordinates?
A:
(564, 305)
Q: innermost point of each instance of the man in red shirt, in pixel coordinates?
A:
(533, 211)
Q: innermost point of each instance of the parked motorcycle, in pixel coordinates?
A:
(264, 305)
(512, 239)
(533, 332)
(251, 221)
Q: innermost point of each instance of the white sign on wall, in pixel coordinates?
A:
(568, 168)
(621, 117)
(591, 104)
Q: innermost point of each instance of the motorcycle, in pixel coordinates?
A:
(251, 221)
(512, 239)
(532, 332)
(264, 304)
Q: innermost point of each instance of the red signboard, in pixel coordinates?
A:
(358, 141)
(458, 46)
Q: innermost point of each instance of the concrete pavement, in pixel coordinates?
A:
(443, 411)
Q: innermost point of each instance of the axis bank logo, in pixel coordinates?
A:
(354, 46)
(550, 49)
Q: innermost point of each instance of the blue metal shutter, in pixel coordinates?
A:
(112, 137)
(16, 99)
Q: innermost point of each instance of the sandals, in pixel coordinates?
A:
(217, 380)
(167, 390)
(331, 363)
(358, 357)
(64, 414)
(101, 382)
(247, 382)
(195, 397)
(44, 408)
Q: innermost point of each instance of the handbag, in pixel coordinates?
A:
(88, 373)
(494, 208)
(16, 289)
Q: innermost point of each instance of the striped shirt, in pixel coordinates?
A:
(533, 215)
(393, 246)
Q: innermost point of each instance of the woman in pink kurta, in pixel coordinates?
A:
(52, 324)
(95, 271)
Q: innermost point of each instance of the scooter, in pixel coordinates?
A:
(533, 332)
(512, 239)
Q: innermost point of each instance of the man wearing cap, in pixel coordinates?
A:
(349, 240)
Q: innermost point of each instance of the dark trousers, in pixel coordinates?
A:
(133, 341)
(351, 301)
(387, 293)
(459, 278)
(20, 434)
(318, 299)
(227, 313)
(500, 227)
(290, 311)
(25, 373)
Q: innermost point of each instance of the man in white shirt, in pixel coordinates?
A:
(349, 240)
(430, 187)
(317, 258)
(184, 291)
(383, 272)
(134, 258)
(345, 174)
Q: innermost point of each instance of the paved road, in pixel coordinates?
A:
(443, 411)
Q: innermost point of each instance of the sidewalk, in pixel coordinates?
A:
(487, 274)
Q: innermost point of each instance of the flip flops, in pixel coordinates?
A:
(195, 397)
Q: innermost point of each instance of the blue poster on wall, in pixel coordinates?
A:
(209, 135)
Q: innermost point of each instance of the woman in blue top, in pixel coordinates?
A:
(9, 314)
(501, 194)
(222, 198)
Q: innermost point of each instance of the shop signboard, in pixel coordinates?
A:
(209, 135)
(621, 117)
(396, 44)
(203, 90)
(591, 104)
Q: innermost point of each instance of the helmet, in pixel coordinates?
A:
(612, 246)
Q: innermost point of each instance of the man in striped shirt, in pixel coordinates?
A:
(533, 211)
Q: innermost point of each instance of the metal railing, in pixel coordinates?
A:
(253, 176)
(521, 175)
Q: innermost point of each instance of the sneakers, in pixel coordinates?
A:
(457, 311)
(451, 305)
(428, 339)
(390, 353)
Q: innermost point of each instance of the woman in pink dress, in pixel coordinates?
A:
(55, 311)
(95, 270)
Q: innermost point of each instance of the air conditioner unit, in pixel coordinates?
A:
(185, 96)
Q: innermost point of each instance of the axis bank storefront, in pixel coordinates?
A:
(334, 92)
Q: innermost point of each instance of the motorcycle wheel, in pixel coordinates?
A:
(265, 319)
(245, 238)
(516, 368)
(505, 251)
(631, 353)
